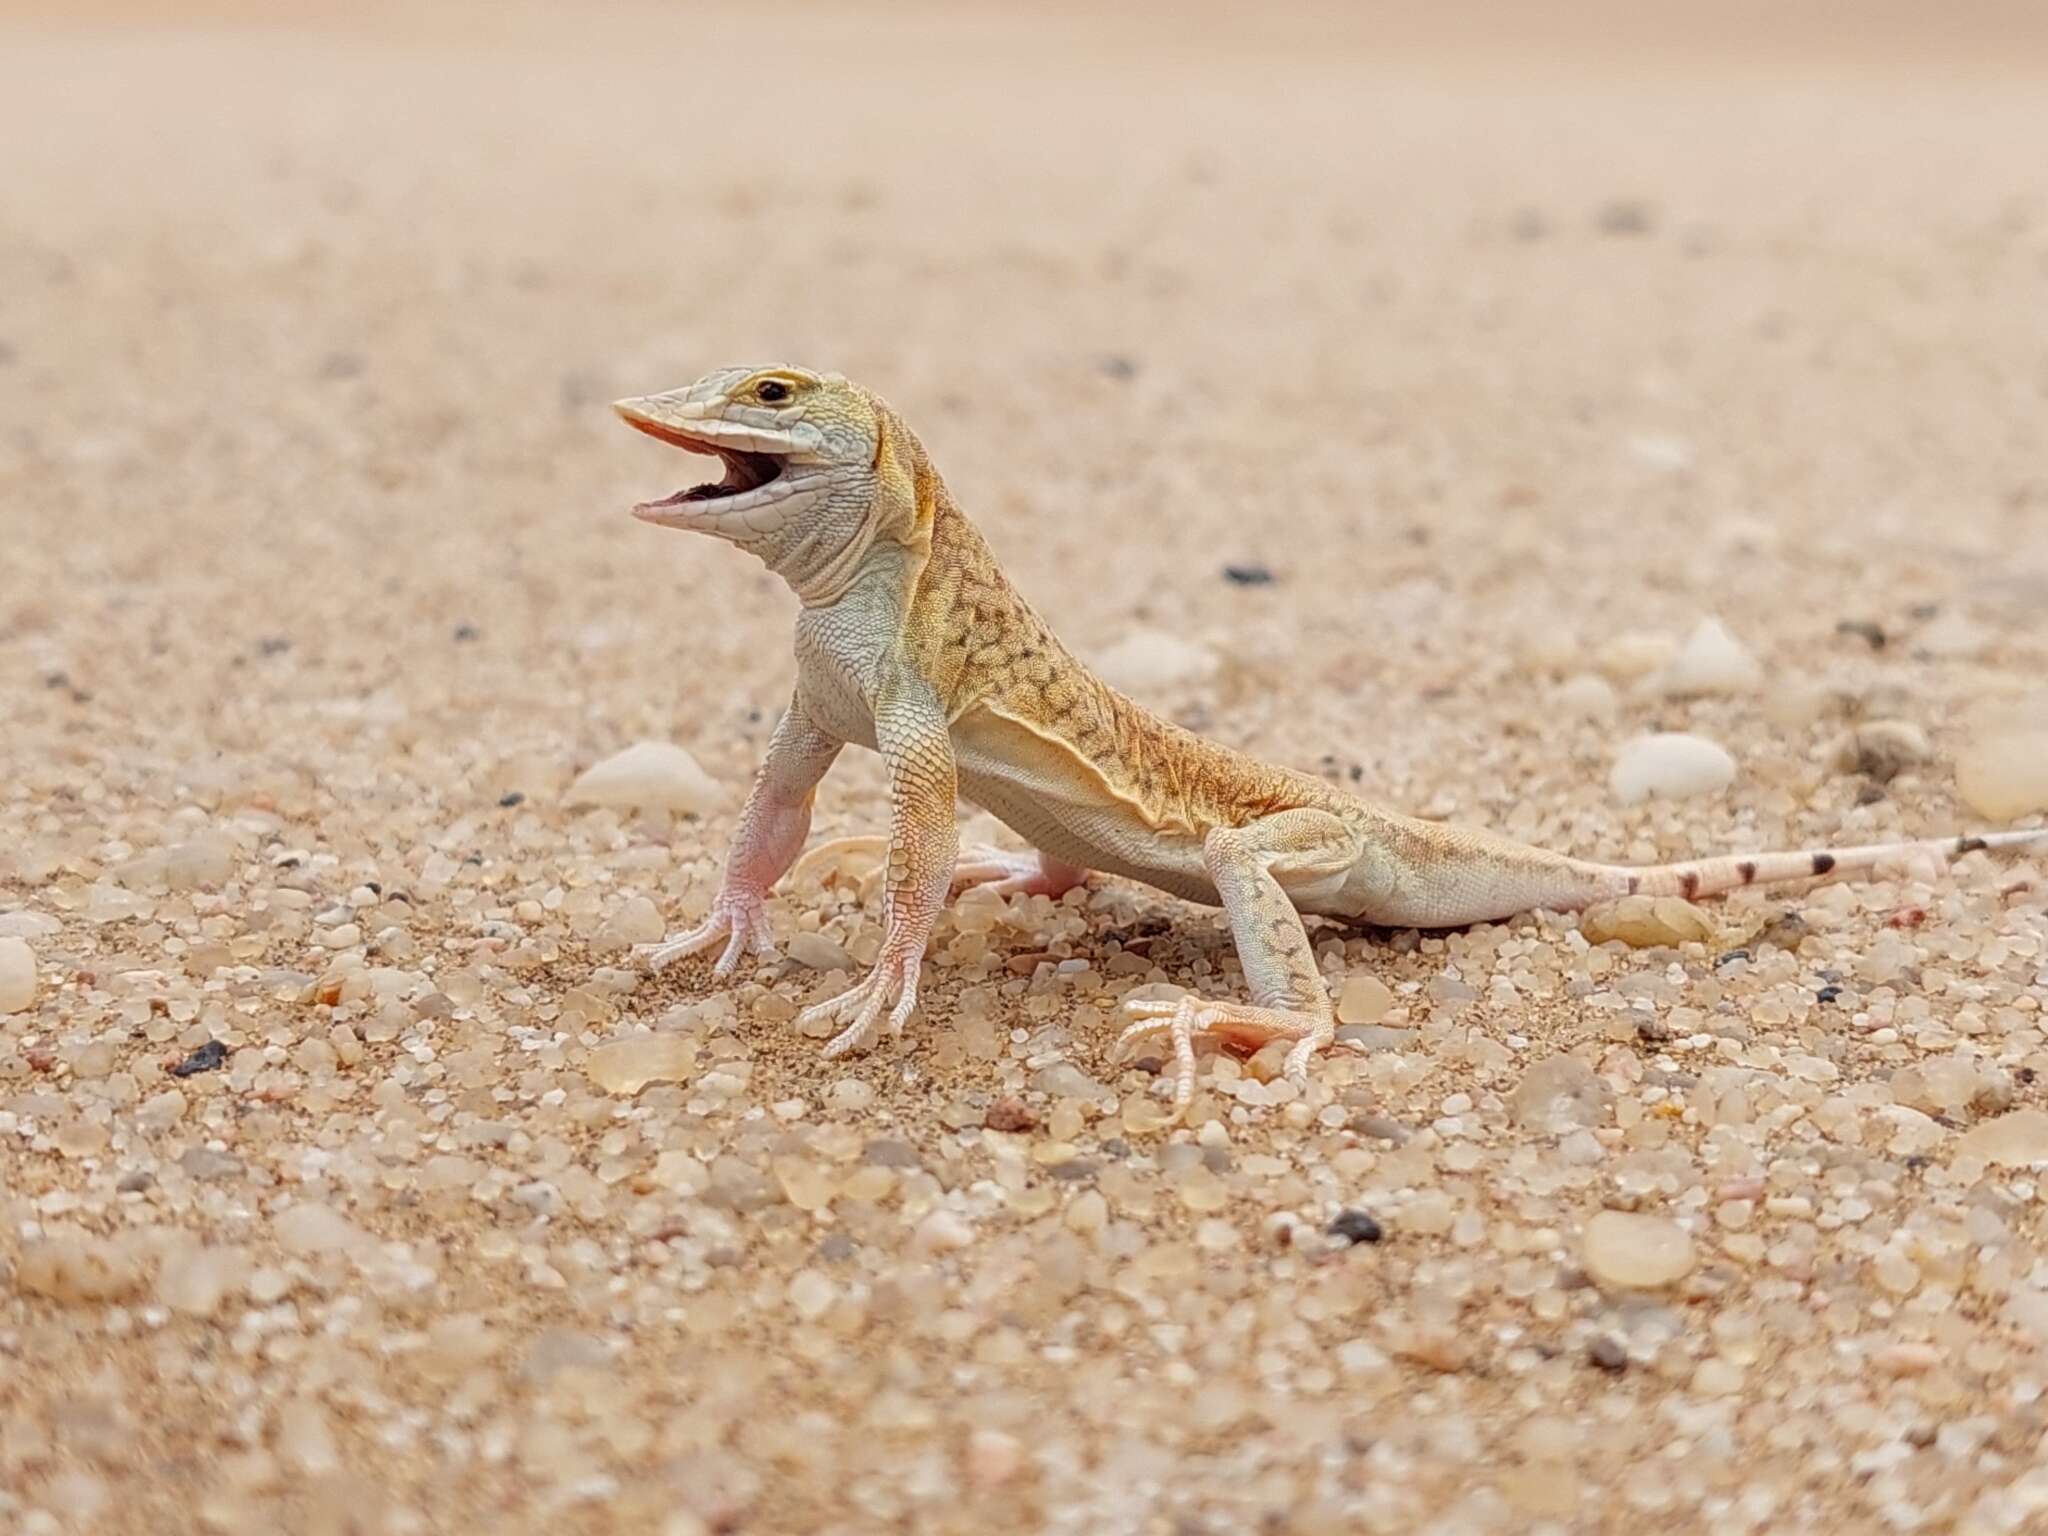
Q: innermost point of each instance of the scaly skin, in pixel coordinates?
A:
(912, 643)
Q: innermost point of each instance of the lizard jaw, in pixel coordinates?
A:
(755, 460)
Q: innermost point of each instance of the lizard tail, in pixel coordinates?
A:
(1710, 877)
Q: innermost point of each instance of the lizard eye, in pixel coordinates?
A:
(771, 391)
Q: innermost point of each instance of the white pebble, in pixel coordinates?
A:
(2003, 771)
(1151, 658)
(650, 776)
(17, 975)
(1586, 696)
(2015, 1140)
(1669, 765)
(1712, 661)
(1629, 1249)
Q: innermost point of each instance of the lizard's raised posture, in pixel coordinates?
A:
(912, 643)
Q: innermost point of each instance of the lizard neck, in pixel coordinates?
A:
(878, 531)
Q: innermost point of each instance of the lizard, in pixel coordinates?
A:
(911, 642)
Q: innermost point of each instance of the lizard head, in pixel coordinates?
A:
(805, 467)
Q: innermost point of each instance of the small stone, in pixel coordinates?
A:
(624, 1067)
(201, 864)
(2002, 772)
(810, 1293)
(305, 1439)
(309, 1228)
(993, 1458)
(850, 1095)
(637, 921)
(1906, 1359)
(1355, 1226)
(1441, 1349)
(1064, 1080)
(648, 776)
(1669, 765)
(1882, 749)
(818, 953)
(941, 1231)
(210, 1057)
(1010, 1114)
(205, 1163)
(194, 1280)
(2015, 1140)
(804, 1184)
(1951, 634)
(1712, 661)
(1636, 1251)
(1148, 659)
(1647, 922)
(1559, 1094)
(1586, 696)
(1248, 575)
(1608, 1353)
(1363, 1000)
(1625, 216)
(17, 975)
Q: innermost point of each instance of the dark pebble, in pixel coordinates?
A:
(465, 632)
(1247, 575)
(1732, 956)
(1607, 1353)
(1117, 1147)
(273, 645)
(1872, 634)
(1625, 216)
(1356, 1226)
(511, 798)
(1828, 994)
(1116, 366)
(1075, 1170)
(1011, 1114)
(210, 1057)
(1654, 1032)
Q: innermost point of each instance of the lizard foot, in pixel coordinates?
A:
(1239, 1024)
(859, 1009)
(1016, 874)
(739, 917)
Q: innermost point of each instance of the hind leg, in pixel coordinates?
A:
(1251, 866)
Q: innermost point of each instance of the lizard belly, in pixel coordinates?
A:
(1070, 814)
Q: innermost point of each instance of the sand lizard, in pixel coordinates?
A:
(912, 643)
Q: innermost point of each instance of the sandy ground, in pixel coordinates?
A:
(1511, 350)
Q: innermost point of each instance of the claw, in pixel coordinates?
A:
(739, 917)
(859, 1008)
(1182, 1018)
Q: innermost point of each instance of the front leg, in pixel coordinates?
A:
(911, 734)
(772, 828)
(1251, 867)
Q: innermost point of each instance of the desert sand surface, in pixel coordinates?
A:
(1502, 352)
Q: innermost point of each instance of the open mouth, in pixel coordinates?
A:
(745, 468)
(743, 472)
